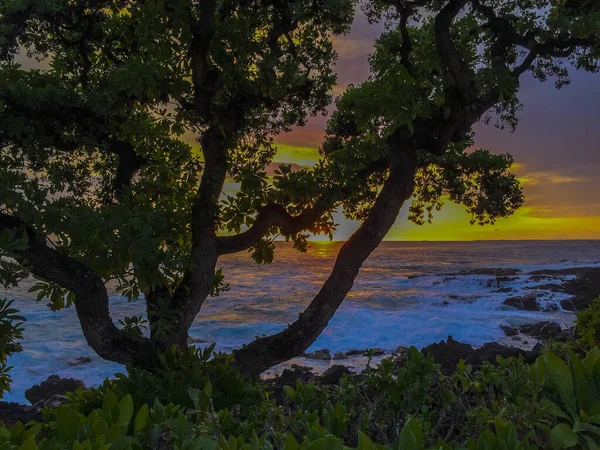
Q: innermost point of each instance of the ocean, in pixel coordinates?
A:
(407, 293)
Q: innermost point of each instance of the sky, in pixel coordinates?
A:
(556, 147)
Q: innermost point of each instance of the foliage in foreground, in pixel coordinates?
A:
(588, 324)
(553, 403)
(10, 332)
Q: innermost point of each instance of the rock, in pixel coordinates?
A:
(400, 350)
(339, 355)
(303, 368)
(496, 272)
(538, 278)
(288, 378)
(449, 353)
(453, 296)
(509, 331)
(52, 386)
(79, 361)
(53, 402)
(584, 287)
(193, 340)
(374, 352)
(543, 330)
(323, 355)
(445, 303)
(354, 352)
(11, 413)
(546, 287)
(334, 374)
(526, 302)
(503, 290)
(499, 280)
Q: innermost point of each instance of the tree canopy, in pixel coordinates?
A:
(97, 184)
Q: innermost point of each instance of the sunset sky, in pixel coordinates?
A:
(556, 148)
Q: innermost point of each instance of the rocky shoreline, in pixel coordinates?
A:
(581, 284)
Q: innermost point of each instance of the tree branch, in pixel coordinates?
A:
(268, 351)
(271, 215)
(449, 55)
(91, 298)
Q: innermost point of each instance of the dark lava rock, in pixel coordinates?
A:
(499, 280)
(354, 352)
(53, 402)
(52, 386)
(374, 352)
(323, 355)
(334, 374)
(79, 361)
(509, 331)
(303, 368)
(538, 278)
(546, 287)
(400, 350)
(543, 330)
(526, 302)
(445, 303)
(339, 355)
(288, 378)
(584, 287)
(11, 413)
(449, 353)
(503, 290)
(496, 272)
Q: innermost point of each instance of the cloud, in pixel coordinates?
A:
(535, 178)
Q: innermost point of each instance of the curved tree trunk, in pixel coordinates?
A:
(198, 279)
(91, 298)
(266, 352)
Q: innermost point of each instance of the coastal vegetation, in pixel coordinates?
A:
(98, 185)
(199, 400)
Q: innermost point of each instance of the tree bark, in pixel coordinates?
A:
(91, 298)
(269, 351)
(198, 280)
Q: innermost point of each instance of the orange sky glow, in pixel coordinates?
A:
(556, 147)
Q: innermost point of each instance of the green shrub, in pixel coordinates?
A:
(587, 325)
(10, 332)
(399, 405)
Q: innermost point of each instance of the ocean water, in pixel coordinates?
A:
(407, 293)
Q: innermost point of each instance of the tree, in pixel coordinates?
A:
(96, 186)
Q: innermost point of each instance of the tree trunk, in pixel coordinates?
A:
(91, 302)
(266, 352)
(198, 280)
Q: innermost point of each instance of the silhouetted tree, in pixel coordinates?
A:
(96, 186)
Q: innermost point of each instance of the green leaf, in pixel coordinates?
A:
(560, 375)
(125, 410)
(142, 419)
(290, 442)
(562, 436)
(29, 444)
(290, 393)
(326, 443)
(67, 423)
(109, 402)
(365, 442)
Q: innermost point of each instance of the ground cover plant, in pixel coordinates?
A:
(400, 404)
